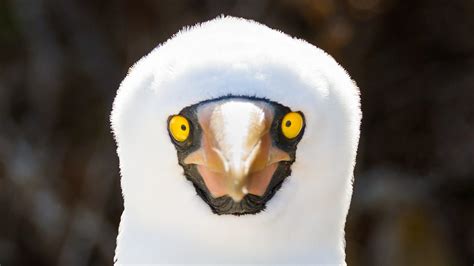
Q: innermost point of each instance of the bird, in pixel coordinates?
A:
(237, 144)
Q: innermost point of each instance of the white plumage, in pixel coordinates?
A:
(164, 220)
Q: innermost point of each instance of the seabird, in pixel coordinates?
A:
(237, 144)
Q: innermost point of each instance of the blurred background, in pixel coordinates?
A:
(61, 62)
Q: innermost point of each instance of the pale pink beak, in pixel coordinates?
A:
(236, 156)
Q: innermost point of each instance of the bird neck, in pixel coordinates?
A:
(278, 235)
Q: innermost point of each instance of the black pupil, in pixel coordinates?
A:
(288, 123)
(183, 127)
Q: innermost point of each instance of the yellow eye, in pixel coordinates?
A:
(179, 128)
(292, 124)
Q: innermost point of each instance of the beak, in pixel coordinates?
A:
(236, 156)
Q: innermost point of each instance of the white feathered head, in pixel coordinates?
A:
(237, 143)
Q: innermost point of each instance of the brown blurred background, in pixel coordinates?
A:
(61, 62)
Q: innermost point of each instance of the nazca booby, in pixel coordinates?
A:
(237, 144)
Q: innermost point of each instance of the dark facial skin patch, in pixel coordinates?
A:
(250, 204)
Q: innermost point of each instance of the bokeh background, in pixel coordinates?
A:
(61, 62)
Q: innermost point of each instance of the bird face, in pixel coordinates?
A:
(236, 151)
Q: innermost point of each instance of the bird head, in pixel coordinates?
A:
(232, 134)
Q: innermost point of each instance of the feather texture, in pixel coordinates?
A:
(164, 221)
